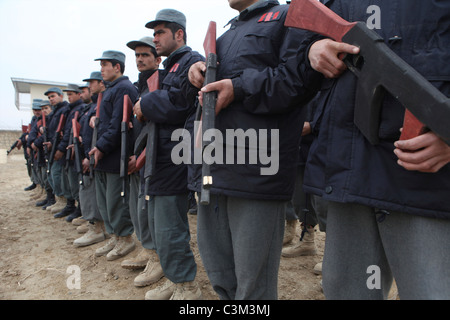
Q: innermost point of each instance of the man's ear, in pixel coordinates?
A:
(179, 35)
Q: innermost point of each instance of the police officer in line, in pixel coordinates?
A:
(147, 63)
(65, 147)
(38, 146)
(264, 83)
(108, 185)
(94, 231)
(169, 109)
(60, 107)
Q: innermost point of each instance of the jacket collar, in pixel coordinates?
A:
(113, 83)
(175, 56)
(75, 104)
(256, 7)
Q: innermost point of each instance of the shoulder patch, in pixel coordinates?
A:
(175, 67)
(270, 16)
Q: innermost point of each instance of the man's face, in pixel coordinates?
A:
(86, 95)
(95, 86)
(54, 98)
(164, 40)
(145, 60)
(46, 110)
(37, 113)
(109, 72)
(73, 96)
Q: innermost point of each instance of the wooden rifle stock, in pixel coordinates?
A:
(56, 140)
(124, 153)
(379, 70)
(77, 149)
(95, 134)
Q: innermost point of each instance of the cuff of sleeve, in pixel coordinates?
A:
(239, 93)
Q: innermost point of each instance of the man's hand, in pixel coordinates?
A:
(92, 122)
(72, 153)
(225, 93)
(49, 145)
(306, 129)
(325, 56)
(97, 154)
(58, 155)
(425, 153)
(138, 112)
(85, 165)
(197, 74)
(132, 164)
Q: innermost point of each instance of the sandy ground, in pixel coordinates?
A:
(36, 253)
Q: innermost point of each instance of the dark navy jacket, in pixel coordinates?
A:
(32, 136)
(272, 82)
(86, 131)
(58, 110)
(169, 109)
(75, 107)
(111, 114)
(39, 141)
(142, 88)
(343, 166)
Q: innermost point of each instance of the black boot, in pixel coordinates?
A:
(75, 214)
(49, 201)
(30, 187)
(68, 209)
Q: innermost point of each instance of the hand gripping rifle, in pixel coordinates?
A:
(149, 138)
(95, 134)
(208, 108)
(124, 153)
(56, 140)
(78, 149)
(44, 136)
(378, 70)
(69, 152)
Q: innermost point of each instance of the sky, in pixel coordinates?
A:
(58, 40)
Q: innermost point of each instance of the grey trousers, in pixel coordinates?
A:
(139, 216)
(115, 213)
(88, 200)
(240, 242)
(169, 227)
(364, 251)
(72, 184)
(44, 179)
(55, 178)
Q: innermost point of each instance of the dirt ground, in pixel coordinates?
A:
(36, 253)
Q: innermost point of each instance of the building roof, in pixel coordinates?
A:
(24, 86)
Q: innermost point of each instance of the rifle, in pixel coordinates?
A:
(44, 135)
(69, 153)
(77, 149)
(379, 70)
(95, 134)
(56, 140)
(208, 109)
(149, 137)
(12, 147)
(124, 154)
